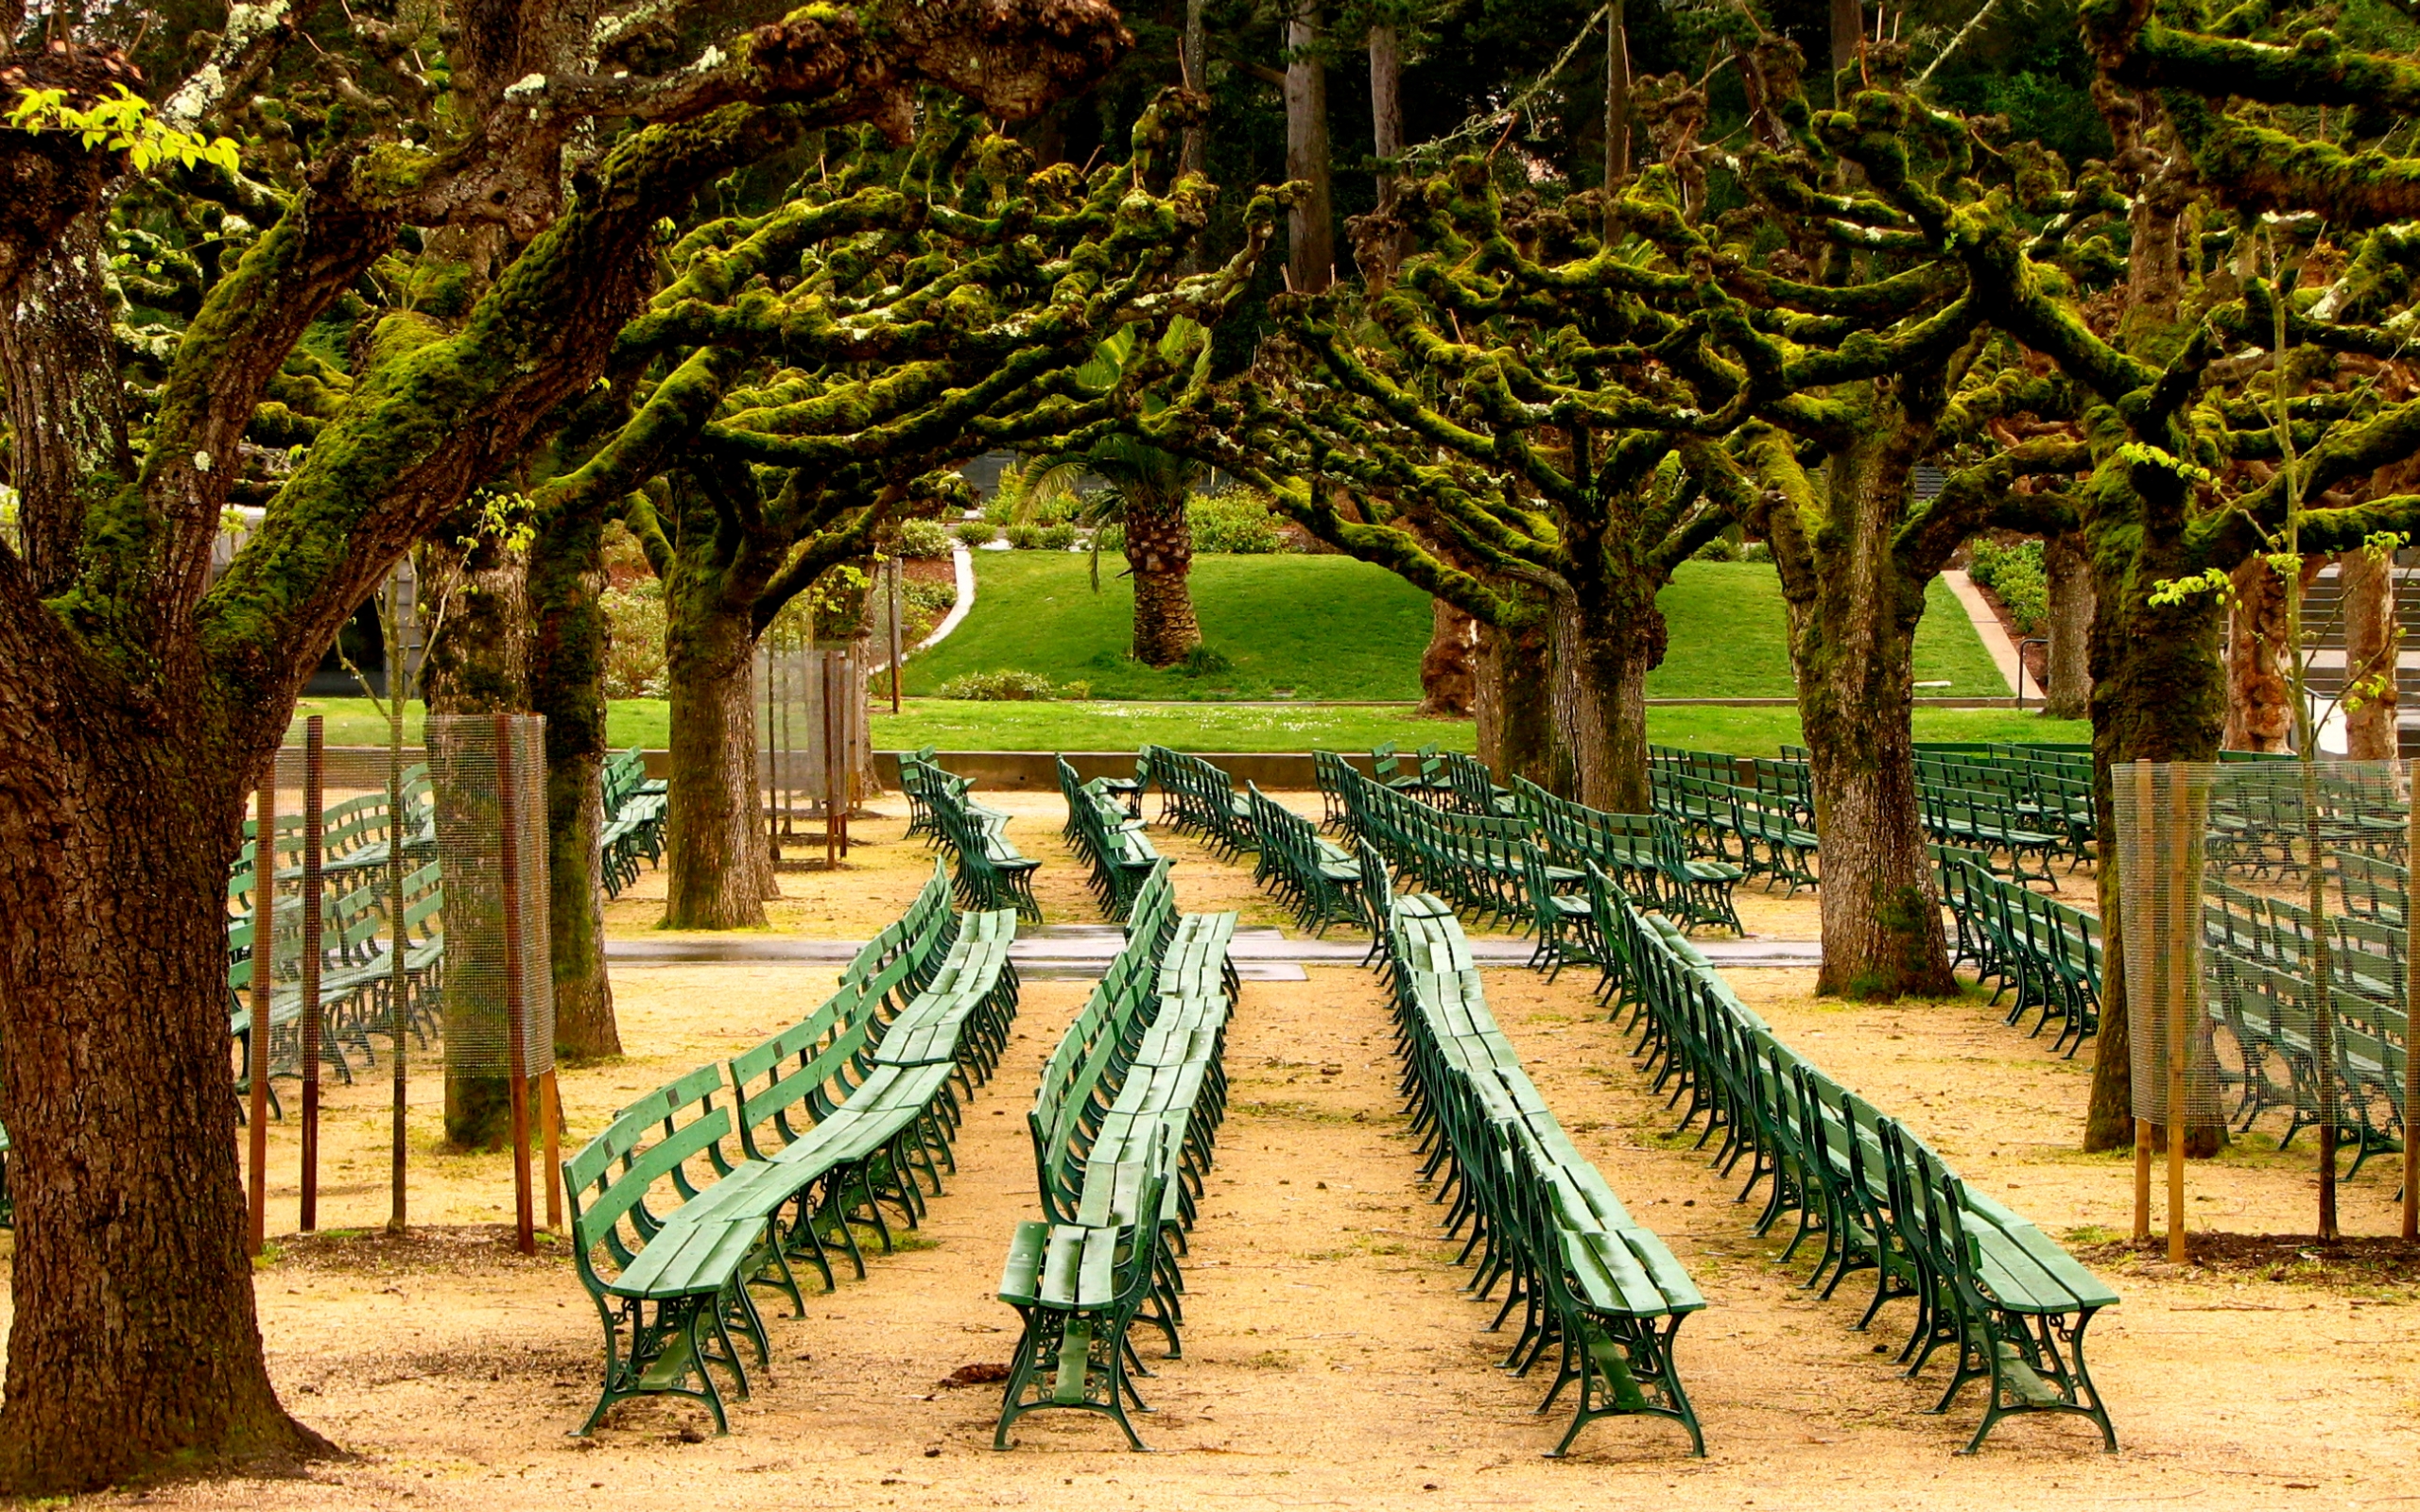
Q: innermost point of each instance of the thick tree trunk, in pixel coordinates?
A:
(134, 1344)
(67, 419)
(2068, 689)
(719, 863)
(567, 685)
(478, 663)
(2371, 648)
(1159, 556)
(1310, 254)
(1852, 643)
(2260, 714)
(1513, 704)
(1604, 648)
(1446, 669)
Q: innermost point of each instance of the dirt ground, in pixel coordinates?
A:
(1331, 1357)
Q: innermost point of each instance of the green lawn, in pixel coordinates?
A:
(1121, 726)
(1330, 627)
(1322, 627)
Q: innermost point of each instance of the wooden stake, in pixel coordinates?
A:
(896, 566)
(2146, 832)
(827, 666)
(314, 817)
(551, 1121)
(264, 957)
(516, 1029)
(2184, 987)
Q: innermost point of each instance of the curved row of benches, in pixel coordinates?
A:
(1123, 1127)
(707, 1188)
(2048, 952)
(1595, 1286)
(1118, 855)
(992, 872)
(2006, 1297)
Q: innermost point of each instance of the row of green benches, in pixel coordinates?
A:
(635, 813)
(1482, 863)
(358, 980)
(2048, 953)
(706, 1189)
(1594, 1285)
(1315, 877)
(2261, 972)
(991, 873)
(1197, 798)
(354, 835)
(2008, 1299)
(1120, 856)
(1124, 1126)
(1756, 829)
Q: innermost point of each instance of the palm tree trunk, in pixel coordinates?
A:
(1159, 556)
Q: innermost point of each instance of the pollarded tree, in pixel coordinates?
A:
(815, 368)
(2257, 182)
(140, 700)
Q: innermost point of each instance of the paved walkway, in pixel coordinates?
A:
(1083, 951)
(1994, 636)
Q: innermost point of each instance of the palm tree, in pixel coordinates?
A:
(1144, 489)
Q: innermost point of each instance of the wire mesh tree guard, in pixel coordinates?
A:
(2268, 956)
(814, 741)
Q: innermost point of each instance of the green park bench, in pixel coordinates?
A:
(1597, 1291)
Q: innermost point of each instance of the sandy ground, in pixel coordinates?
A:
(1331, 1356)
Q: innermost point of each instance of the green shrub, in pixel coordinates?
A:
(635, 642)
(1011, 687)
(1057, 537)
(923, 605)
(975, 532)
(1025, 538)
(2014, 573)
(1111, 538)
(1234, 520)
(1756, 551)
(923, 538)
(1721, 548)
(1202, 662)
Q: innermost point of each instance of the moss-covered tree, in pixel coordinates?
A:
(815, 367)
(139, 697)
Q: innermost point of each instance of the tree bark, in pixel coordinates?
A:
(2371, 647)
(123, 1126)
(719, 863)
(1159, 556)
(2261, 712)
(1393, 243)
(1848, 31)
(477, 663)
(1851, 644)
(1193, 58)
(1310, 253)
(2068, 689)
(67, 419)
(1445, 671)
(1605, 644)
(567, 685)
(1617, 98)
(1513, 705)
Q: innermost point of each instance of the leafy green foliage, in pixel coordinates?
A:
(923, 538)
(1003, 686)
(1233, 521)
(2016, 574)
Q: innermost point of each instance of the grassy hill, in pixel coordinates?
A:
(1332, 628)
